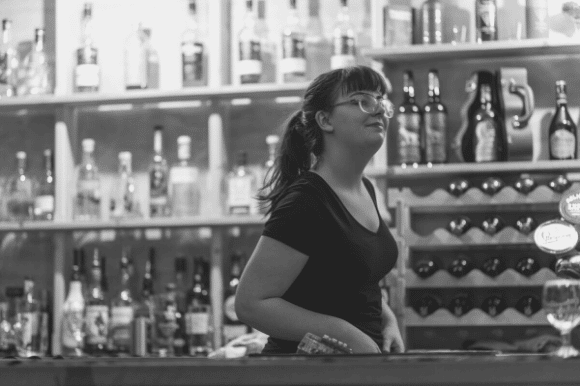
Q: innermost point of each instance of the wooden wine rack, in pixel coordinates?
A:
(475, 317)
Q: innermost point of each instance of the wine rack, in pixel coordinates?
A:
(442, 238)
(475, 317)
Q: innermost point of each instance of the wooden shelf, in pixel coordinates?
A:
(467, 51)
(476, 278)
(476, 317)
(258, 91)
(442, 238)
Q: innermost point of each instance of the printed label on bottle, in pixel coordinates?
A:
(29, 325)
(72, 324)
(395, 14)
(250, 62)
(486, 14)
(230, 308)
(293, 55)
(562, 144)
(87, 75)
(184, 175)
(409, 138)
(240, 195)
(192, 62)
(196, 323)
(485, 141)
(97, 324)
(44, 204)
(436, 133)
(121, 319)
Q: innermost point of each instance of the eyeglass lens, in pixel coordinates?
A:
(370, 104)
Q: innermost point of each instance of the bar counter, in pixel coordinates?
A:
(297, 370)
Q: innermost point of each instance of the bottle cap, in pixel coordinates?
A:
(88, 145)
(125, 156)
(21, 155)
(272, 139)
(184, 140)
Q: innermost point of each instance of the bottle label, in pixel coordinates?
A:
(436, 133)
(562, 144)
(250, 62)
(409, 138)
(293, 55)
(486, 16)
(121, 320)
(97, 324)
(196, 323)
(158, 185)
(184, 175)
(486, 141)
(44, 204)
(192, 62)
(30, 327)
(87, 75)
(240, 195)
(72, 325)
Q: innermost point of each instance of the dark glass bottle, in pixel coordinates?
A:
(459, 225)
(493, 266)
(460, 267)
(426, 267)
(198, 315)
(489, 138)
(122, 313)
(492, 185)
(494, 305)
(431, 15)
(427, 305)
(562, 135)
(486, 20)
(525, 184)
(435, 123)
(461, 304)
(528, 305)
(179, 338)
(492, 225)
(458, 187)
(559, 184)
(526, 225)
(410, 141)
(527, 266)
(233, 327)
(97, 312)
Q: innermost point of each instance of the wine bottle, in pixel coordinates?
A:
(486, 20)
(528, 305)
(494, 305)
(526, 225)
(492, 225)
(525, 184)
(490, 138)
(427, 305)
(562, 135)
(461, 304)
(435, 123)
(559, 184)
(459, 226)
(492, 186)
(460, 267)
(493, 266)
(527, 266)
(409, 120)
(458, 187)
(426, 267)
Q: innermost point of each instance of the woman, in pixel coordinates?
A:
(325, 248)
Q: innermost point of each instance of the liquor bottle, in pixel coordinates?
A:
(537, 19)
(104, 280)
(268, 168)
(493, 266)
(241, 188)
(179, 337)
(87, 72)
(198, 315)
(20, 192)
(489, 140)
(45, 323)
(37, 69)
(527, 266)
(97, 312)
(461, 304)
(432, 22)
(343, 40)
(184, 182)
(165, 322)
(364, 36)
(318, 47)
(122, 313)
(250, 51)
(79, 257)
(29, 320)
(492, 225)
(460, 267)
(458, 187)
(427, 305)
(492, 185)
(8, 61)
(44, 200)
(485, 20)
(143, 338)
(435, 117)
(136, 59)
(72, 338)
(494, 305)
(5, 327)
(13, 327)
(233, 327)
(459, 225)
(528, 305)
(410, 139)
(559, 184)
(293, 61)
(124, 203)
(267, 45)
(88, 198)
(158, 178)
(152, 60)
(562, 136)
(426, 267)
(526, 225)
(193, 69)
(525, 184)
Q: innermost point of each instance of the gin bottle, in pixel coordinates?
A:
(37, 68)
(241, 188)
(184, 177)
(343, 40)
(8, 61)
(158, 178)
(88, 198)
(97, 312)
(44, 201)
(125, 204)
(122, 312)
(250, 51)
(293, 63)
(194, 72)
(20, 192)
(29, 319)
(87, 74)
(73, 313)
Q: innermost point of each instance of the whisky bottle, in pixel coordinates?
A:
(87, 73)
(343, 40)
(29, 319)
(435, 121)
(72, 338)
(9, 62)
(485, 20)
(563, 137)
(122, 312)
(193, 69)
(293, 62)
(410, 141)
(198, 316)
(432, 22)
(233, 327)
(184, 182)
(250, 51)
(158, 178)
(241, 188)
(20, 192)
(88, 197)
(97, 312)
(44, 200)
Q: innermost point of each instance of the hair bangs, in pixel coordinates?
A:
(362, 78)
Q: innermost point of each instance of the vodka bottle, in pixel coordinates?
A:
(198, 315)
(44, 201)
(158, 178)
(87, 73)
(194, 71)
(88, 199)
(8, 61)
(293, 62)
(343, 40)
(184, 179)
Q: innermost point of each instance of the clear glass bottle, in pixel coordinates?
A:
(44, 201)
(364, 37)
(122, 312)
(267, 45)
(136, 59)
(432, 22)
(198, 316)
(20, 192)
(293, 61)
(73, 309)
(184, 178)
(318, 47)
(87, 71)
(233, 327)
(179, 337)
(124, 203)
(193, 66)
(343, 40)
(88, 199)
(29, 319)
(266, 170)
(250, 50)
(485, 20)
(165, 321)
(562, 135)
(152, 60)
(38, 72)
(97, 312)
(410, 139)
(158, 178)
(241, 190)
(435, 123)
(8, 61)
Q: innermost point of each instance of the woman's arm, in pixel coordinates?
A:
(269, 273)
(392, 339)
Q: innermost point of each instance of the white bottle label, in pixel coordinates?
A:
(562, 144)
(196, 323)
(121, 320)
(97, 324)
(29, 327)
(250, 67)
(240, 195)
(184, 175)
(72, 324)
(87, 75)
(293, 66)
(486, 142)
(44, 204)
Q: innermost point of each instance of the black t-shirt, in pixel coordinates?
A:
(345, 262)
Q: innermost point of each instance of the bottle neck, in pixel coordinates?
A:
(6, 36)
(434, 91)
(39, 43)
(561, 99)
(48, 168)
(87, 31)
(88, 158)
(76, 289)
(125, 168)
(21, 166)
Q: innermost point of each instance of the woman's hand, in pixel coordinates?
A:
(392, 339)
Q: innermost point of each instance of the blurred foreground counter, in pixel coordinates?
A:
(424, 369)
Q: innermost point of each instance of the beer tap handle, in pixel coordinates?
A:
(526, 94)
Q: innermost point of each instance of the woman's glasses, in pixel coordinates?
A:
(370, 104)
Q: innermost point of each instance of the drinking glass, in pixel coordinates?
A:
(561, 301)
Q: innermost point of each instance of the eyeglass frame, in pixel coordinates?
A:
(381, 100)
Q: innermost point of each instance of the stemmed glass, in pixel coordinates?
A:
(561, 301)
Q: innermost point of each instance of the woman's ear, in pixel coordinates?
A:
(323, 121)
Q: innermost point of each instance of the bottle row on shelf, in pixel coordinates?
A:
(175, 322)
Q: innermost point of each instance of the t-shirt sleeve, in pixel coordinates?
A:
(294, 221)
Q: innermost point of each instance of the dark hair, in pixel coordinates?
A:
(302, 137)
